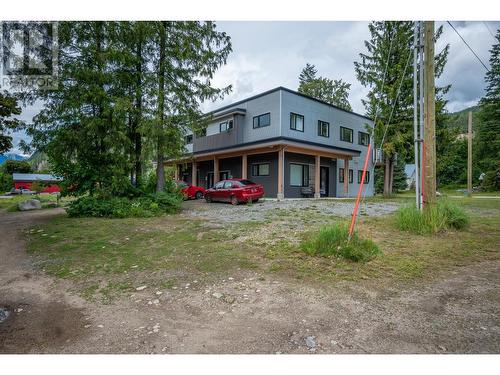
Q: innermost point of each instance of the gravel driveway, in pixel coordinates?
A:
(260, 211)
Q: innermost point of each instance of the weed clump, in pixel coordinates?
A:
(332, 240)
(438, 218)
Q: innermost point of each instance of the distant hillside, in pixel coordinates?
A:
(5, 157)
(458, 120)
(39, 161)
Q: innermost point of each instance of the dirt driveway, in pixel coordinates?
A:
(245, 312)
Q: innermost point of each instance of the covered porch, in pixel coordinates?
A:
(286, 170)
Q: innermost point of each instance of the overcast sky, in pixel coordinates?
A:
(270, 54)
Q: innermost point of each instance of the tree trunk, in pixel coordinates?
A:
(160, 169)
(138, 104)
(391, 176)
(387, 176)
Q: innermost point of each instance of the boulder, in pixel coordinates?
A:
(30, 204)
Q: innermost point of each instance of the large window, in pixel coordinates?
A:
(345, 134)
(260, 169)
(296, 122)
(262, 120)
(225, 126)
(299, 175)
(351, 176)
(363, 138)
(323, 129)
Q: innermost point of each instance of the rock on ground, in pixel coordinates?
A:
(30, 204)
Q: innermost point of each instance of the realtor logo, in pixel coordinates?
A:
(29, 55)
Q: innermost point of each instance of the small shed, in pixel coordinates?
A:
(25, 180)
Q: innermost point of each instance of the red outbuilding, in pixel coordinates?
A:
(25, 180)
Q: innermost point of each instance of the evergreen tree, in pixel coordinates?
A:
(82, 126)
(8, 108)
(335, 92)
(186, 56)
(393, 41)
(487, 135)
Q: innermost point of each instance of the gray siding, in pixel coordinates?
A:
(314, 111)
(280, 103)
(270, 182)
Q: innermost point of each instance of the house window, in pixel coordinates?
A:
(351, 176)
(299, 175)
(323, 129)
(341, 174)
(346, 134)
(188, 139)
(360, 176)
(225, 126)
(260, 169)
(363, 138)
(262, 120)
(296, 122)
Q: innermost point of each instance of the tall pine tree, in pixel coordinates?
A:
(487, 136)
(335, 92)
(391, 45)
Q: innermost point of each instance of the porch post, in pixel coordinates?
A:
(216, 170)
(176, 172)
(194, 181)
(346, 177)
(244, 166)
(281, 175)
(317, 190)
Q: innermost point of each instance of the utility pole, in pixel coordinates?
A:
(416, 38)
(429, 170)
(421, 110)
(469, 155)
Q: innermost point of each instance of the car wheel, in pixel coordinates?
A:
(234, 200)
(198, 195)
(208, 198)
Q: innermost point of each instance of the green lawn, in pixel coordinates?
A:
(105, 258)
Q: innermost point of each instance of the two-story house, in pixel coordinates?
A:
(292, 144)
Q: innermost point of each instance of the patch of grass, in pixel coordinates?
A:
(10, 204)
(442, 216)
(333, 240)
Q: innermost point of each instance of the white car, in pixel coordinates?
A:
(27, 191)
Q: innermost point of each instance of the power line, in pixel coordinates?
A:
(485, 24)
(463, 40)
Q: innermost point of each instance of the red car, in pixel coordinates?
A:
(235, 190)
(191, 191)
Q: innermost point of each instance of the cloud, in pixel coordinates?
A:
(270, 54)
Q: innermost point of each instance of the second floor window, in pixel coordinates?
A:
(225, 126)
(188, 139)
(296, 122)
(346, 134)
(363, 138)
(262, 120)
(323, 129)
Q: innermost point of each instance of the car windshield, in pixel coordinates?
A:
(246, 182)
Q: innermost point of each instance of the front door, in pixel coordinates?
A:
(210, 179)
(323, 181)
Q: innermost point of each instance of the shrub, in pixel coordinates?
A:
(332, 241)
(121, 207)
(442, 216)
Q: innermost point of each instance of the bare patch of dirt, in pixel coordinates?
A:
(245, 312)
